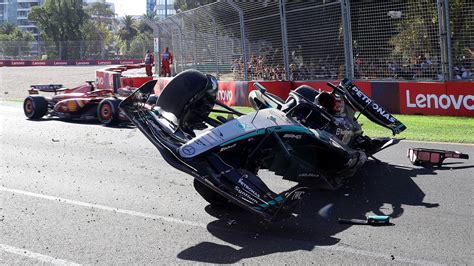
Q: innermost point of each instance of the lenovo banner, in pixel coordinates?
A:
(279, 88)
(450, 98)
(104, 62)
(18, 63)
(60, 62)
(233, 93)
(40, 63)
(461, 96)
(424, 98)
(84, 62)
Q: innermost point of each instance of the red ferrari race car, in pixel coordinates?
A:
(84, 102)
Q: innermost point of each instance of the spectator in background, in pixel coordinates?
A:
(166, 61)
(462, 73)
(149, 61)
(279, 72)
(236, 69)
(466, 73)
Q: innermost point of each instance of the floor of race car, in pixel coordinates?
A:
(85, 193)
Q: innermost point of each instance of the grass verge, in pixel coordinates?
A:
(426, 128)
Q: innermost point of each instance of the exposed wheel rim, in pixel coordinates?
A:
(106, 112)
(29, 107)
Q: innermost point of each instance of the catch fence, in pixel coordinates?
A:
(324, 39)
(69, 50)
(419, 40)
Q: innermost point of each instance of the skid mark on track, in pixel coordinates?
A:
(337, 248)
(35, 256)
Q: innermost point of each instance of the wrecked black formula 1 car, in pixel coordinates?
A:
(296, 139)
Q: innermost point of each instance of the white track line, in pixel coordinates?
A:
(338, 247)
(103, 207)
(35, 256)
(437, 142)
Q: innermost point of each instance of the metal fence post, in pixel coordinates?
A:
(445, 39)
(346, 26)
(448, 40)
(194, 40)
(216, 43)
(60, 50)
(195, 44)
(156, 34)
(180, 41)
(168, 30)
(284, 38)
(242, 36)
(445, 70)
(39, 48)
(80, 50)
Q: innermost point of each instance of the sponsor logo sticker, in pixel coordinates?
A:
(443, 101)
(189, 150)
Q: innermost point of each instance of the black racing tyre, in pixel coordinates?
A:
(307, 92)
(35, 107)
(181, 90)
(209, 195)
(107, 111)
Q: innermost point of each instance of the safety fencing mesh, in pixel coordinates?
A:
(68, 50)
(326, 39)
(395, 40)
(461, 17)
(423, 40)
(315, 40)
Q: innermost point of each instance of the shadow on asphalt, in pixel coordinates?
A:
(379, 188)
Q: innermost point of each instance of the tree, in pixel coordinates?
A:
(97, 39)
(142, 26)
(461, 26)
(60, 21)
(417, 31)
(184, 5)
(7, 28)
(141, 43)
(14, 41)
(127, 31)
(97, 30)
(100, 13)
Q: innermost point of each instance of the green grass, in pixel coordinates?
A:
(426, 128)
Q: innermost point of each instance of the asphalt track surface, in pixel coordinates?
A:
(84, 193)
(15, 81)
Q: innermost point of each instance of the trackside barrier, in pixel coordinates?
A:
(423, 98)
(18, 63)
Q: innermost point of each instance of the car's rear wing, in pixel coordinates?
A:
(369, 108)
(34, 89)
